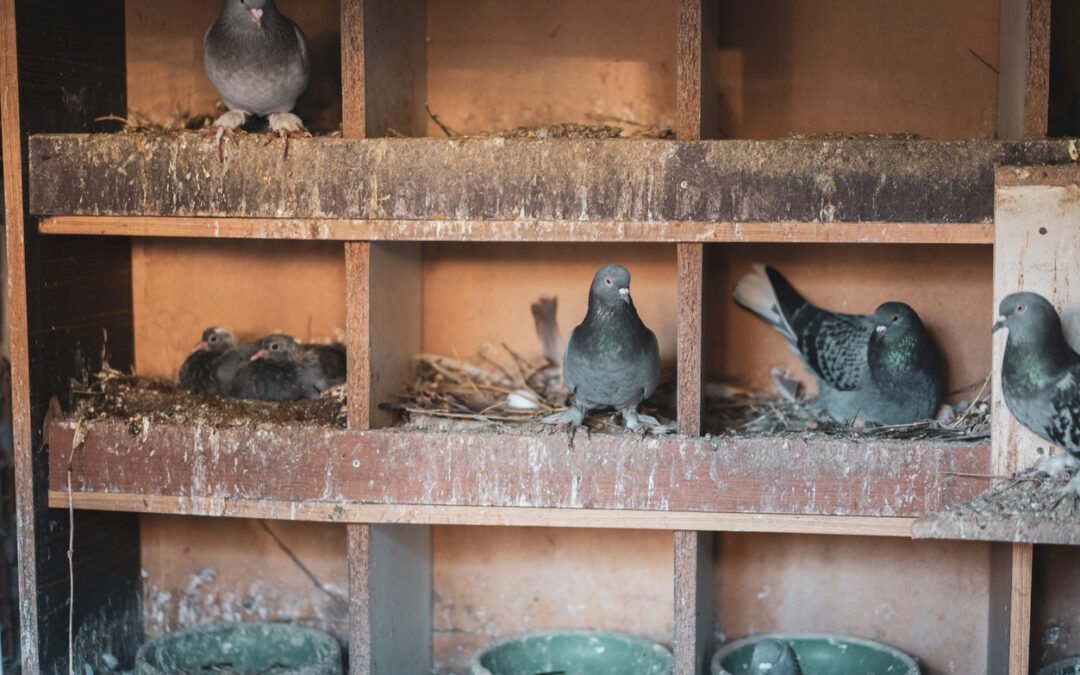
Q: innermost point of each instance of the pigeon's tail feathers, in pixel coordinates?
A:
(544, 313)
(767, 294)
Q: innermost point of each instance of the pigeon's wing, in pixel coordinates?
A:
(302, 42)
(1063, 425)
(573, 362)
(652, 354)
(834, 346)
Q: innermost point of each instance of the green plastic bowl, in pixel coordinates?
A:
(276, 648)
(820, 654)
(572, 652)
(1066, 667)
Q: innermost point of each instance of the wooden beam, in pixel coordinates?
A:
(1024, 66)
(697, 99)
(690, 396)
(695, 600)
(495, 179)
(1009, 638)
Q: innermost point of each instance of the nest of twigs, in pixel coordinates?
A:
(141, 402)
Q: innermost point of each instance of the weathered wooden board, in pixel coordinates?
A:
(499, 179)
(1015, 529)
(485, 469)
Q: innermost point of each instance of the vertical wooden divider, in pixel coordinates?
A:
(696, 106)
(383, 60)
(1024, 69)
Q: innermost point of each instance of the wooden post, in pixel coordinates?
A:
(695, 599)
(1024, 69)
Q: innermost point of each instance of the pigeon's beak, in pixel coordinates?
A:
(999, 324)
(624, 293)
(256, 16)
(880, 330)
(261, 354)
(201, 347)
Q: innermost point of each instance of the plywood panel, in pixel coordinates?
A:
(481, 293)
(165, 77)
(949, 286)
(221, 569)
(253, 288)
(926, 598)
(491, 582)
(498, 65)
(847, 65)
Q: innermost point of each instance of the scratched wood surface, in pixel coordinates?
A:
(499, 179)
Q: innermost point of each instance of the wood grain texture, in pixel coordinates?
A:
(392, 67)
(697, 99)
(795, 476)
(1037, 87)
(1024, 84)
(1038, 246)
(622, 180)
(329, 229)
(695, 600)
(1010, 609)
(690, 343)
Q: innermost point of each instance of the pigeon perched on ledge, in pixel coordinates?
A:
(883, 368)
(1040, 380)
(612, 359)
(257, 60)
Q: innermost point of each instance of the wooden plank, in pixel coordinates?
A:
(1024, 62)
(1038, 246)
(1010, 609)
(389, 599)
(697, 100)
(519, 230)
(510, 516)
(690, 390)
(984, 526)
(622, 180)
(608, 471)
(695, 601)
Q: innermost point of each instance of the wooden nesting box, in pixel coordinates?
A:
(853, 145)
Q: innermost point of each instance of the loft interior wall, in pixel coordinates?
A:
(926, 598)
(492, 581)
(496, 65)
(1055, 605)
(787, 66)
(951, 287)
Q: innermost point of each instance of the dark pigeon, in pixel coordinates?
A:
(612, 359)
(883, 368)
(774, 657)
(257, 60)
(276, 372)
(199, 372)
(1040, 380)
(325, 365)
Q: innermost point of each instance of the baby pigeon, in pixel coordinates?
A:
(883, 368)
(1040, 380)
(612, 359)
(257, 60)
(199, 372)
(774, 657)
(325, 365)
(276, 372)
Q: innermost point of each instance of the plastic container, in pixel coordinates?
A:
(277, 648)
(820, 654)
(572, 652)
(1066, 667)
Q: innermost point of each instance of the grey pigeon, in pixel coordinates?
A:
(199, 370)
(325, 365)
(284, 370)
(1040, 379)
(774, 657)
(257, 60)
(883, 368)
(612, 359)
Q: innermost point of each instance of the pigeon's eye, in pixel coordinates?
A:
(275, 347)
(1020, 308)
(607, 281)
(895, 318)
(213, 339)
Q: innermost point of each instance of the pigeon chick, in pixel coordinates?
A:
(199, 372)
(257, 60)
(1040, 380)
(612, 359)
(325, 365)
(883, 368)
(774, 657)
(283, 370)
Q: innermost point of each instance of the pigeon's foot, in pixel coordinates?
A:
(224, 128)
(285, 126)
(1071, 489)
(1052, 465)
(571, 420)
(644, 424)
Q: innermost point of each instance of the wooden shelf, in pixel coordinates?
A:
(965, 524)
(399, 476)
(503, 189)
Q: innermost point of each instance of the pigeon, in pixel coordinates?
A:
(1040, 380)
(330, 370)
(612, 359)
(883, 368)
(284, 370)
(199, 372)
(257, 60)
(774, 657)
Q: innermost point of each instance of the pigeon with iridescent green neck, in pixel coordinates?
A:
(1040, 379)
(883, 368)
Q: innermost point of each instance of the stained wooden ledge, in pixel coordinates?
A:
(433, 477)
(530, 189)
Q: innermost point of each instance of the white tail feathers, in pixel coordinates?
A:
(755, 293)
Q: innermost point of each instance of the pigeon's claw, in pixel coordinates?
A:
(571, 420)
(286, 126)
(1071, 489)
(1052, 465)
(644, 424)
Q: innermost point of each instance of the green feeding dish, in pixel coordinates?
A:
(242, 648)
(572, 652)
(820, 655)
(1066, 667)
